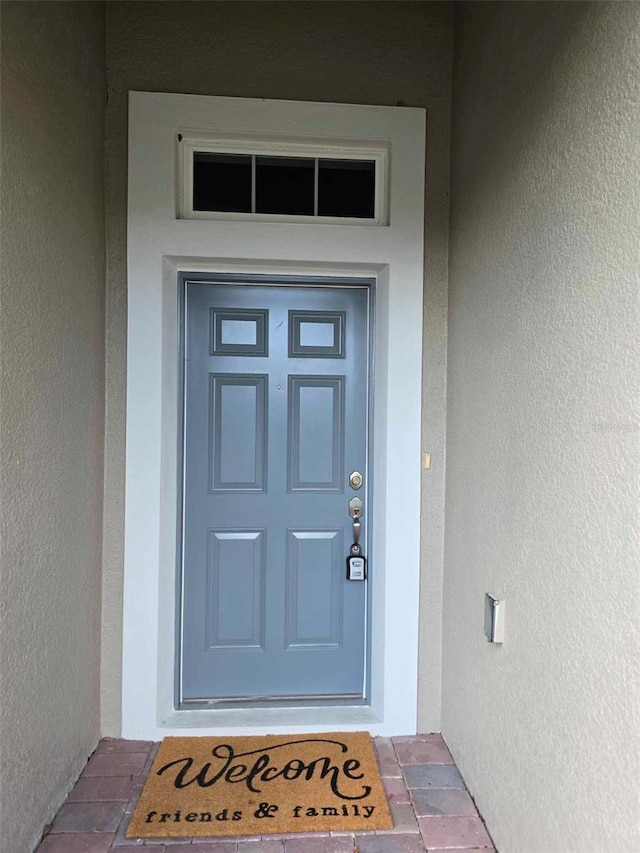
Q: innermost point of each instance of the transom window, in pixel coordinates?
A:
(282, 182)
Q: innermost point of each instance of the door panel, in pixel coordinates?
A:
(238, 419)
(235, 583)
(314, 588)
(275, 417)
(315, 433)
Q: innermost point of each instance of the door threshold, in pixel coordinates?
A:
(233, 720)
(273, 702)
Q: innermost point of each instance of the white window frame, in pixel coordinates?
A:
(189, 142)
(159, 247)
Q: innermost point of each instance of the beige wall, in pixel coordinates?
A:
(51, 412)
(542, 432)
(378, 53)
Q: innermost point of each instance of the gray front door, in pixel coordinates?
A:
(276, 399)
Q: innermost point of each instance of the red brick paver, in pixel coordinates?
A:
(88, 817)
(428, 749)
(101, 789)
(110, 744)
(318, 845)
(391, 844)
(197, 847)
(454, 832)
(80, 843)
(431, 809)
(116, 764)
(395, 789)
(404, 818)
(450, 802)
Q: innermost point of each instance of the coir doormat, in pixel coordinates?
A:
(207, 786)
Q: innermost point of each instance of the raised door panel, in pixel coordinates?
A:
(316, 433)
(317, 334)
(235, 589)
(237, 432)
(314, 589)
(238, 331)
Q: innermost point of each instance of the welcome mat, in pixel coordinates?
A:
(208, 786)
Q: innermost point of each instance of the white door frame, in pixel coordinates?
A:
(159, 247)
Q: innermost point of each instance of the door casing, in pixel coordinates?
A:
(159, 247)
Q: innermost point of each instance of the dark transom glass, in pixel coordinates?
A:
(347, 188)
(286, 186)
(222, 182)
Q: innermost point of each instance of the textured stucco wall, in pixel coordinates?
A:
(374, 53)
(51, 412)
(542, 435)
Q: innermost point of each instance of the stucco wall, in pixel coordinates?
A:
(51, 412)
(378, 53)
(542, 435)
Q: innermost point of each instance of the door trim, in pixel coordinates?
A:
(159, 246)
(255, 279)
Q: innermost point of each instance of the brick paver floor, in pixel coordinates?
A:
(431, 808)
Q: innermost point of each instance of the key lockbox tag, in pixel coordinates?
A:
(356, 565)
(356, 568)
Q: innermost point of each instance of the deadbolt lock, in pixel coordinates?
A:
(355, 479)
